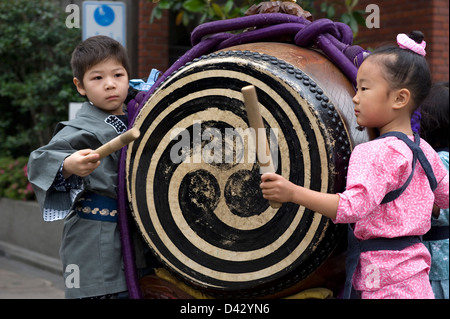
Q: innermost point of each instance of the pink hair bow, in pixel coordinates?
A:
(406, 42)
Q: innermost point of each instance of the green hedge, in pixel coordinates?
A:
(13, 179)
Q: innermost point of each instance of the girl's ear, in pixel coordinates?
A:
(402, 98)
(79, 86)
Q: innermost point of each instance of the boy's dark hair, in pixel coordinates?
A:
(95, 50)
(406, 69)
(435, 112)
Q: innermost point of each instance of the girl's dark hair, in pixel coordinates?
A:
(95, 50)
(435, 112)
(406, 69)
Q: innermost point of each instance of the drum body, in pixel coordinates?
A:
(193, 182)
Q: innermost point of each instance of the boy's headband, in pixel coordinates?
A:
(406, 42)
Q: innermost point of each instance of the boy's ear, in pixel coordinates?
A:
(402, 98)
(79, 86)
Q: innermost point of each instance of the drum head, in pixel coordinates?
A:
(194, 185)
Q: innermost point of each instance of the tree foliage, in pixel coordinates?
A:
(35, 76)
(200, 11)
(349, 14)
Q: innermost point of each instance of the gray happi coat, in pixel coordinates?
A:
(92, 246)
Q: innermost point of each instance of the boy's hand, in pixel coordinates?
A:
(80, 163)
(275, 187)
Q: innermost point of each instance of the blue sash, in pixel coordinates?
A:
(356, 247)
(97, 207)
(437, 233)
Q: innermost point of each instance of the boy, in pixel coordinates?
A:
(72, 184)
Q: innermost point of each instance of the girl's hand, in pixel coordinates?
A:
(276, 188)
(80, 163)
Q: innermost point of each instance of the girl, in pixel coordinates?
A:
(389, 197)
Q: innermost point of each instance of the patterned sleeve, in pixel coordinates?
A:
(374, 170)
(64, 185)
(55, 195)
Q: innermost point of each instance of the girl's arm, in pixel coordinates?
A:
(277, 188)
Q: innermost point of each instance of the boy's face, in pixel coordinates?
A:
(105, 85)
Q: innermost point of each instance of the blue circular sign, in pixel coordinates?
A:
(104, 15)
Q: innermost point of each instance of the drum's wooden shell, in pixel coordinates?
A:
(208, 223)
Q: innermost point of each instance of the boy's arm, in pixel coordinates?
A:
(277, 188)
(55, 194)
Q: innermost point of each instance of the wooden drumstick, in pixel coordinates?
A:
(256, 122)
(117, 143)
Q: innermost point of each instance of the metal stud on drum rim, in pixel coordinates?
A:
(208, 223)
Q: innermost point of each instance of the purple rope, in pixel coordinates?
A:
(134, 290)
(259, 20)
(333, 38)
(128, 256)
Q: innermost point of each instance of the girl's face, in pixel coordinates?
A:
(106, 86)
(374, 98)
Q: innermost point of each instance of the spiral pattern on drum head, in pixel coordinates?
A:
(203, 214)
